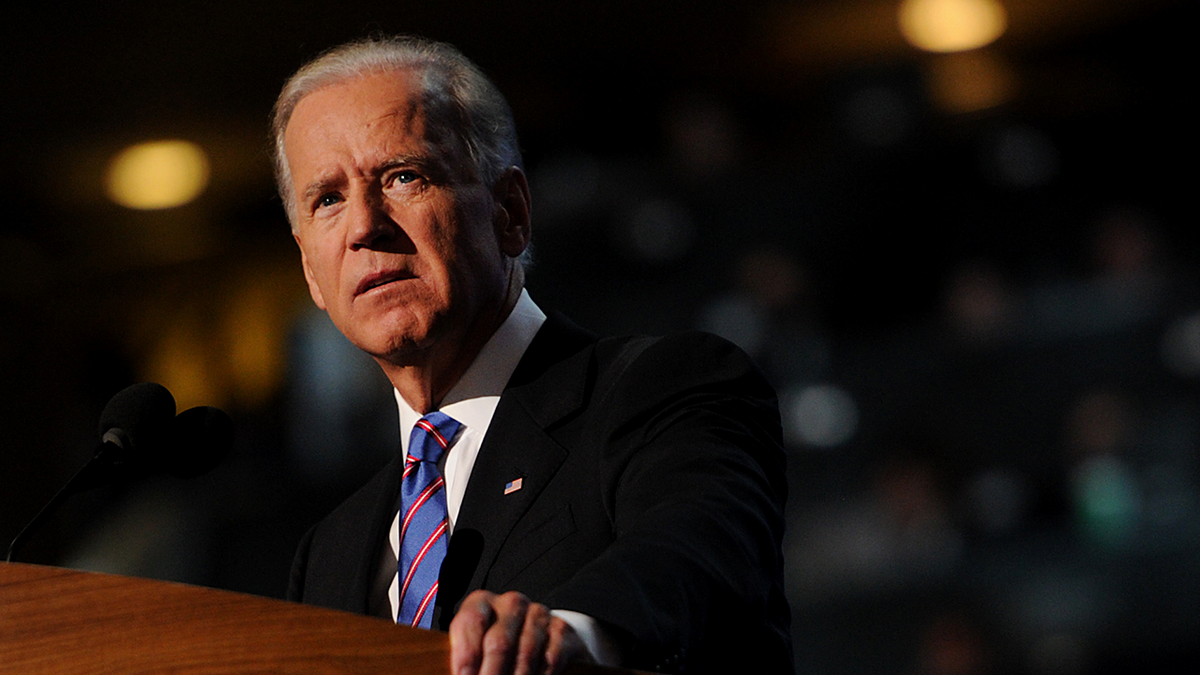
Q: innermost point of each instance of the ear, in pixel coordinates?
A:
(511, 214)
(313, 289)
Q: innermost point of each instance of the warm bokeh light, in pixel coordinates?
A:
(181, 361)
(970, 82)
(223, 342)
(951, 25)
(157, 174)
(255, 332)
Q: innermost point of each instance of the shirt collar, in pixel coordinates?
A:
(473, 399)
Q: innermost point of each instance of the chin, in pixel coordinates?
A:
(400, 345)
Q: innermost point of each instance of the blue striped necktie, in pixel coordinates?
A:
(423, 516)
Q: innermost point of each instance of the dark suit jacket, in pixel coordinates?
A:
(652, 500)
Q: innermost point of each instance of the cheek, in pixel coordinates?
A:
(319, 264)
(449, 250)
(326, 267)
(479, 243)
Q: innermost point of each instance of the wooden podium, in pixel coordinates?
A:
(55, 620)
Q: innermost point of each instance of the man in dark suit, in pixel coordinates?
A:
(618, 500)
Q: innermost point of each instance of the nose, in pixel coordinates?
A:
(370, 224)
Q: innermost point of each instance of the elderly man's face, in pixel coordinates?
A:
(396, 234)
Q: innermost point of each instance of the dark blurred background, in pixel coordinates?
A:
(971, 276)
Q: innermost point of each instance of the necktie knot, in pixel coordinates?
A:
(431, 436)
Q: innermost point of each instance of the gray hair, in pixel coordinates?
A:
(457, 93)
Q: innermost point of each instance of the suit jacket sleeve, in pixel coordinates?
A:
(687, 435)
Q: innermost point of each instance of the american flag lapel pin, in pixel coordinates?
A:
(513, 485)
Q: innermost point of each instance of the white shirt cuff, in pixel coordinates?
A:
(597, 640)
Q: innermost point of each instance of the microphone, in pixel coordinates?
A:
(462, 557)
(138, 429)
(204, 436)
(134, 427)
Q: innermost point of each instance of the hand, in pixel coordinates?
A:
(502, 634)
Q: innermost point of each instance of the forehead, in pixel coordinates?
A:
(366, 110)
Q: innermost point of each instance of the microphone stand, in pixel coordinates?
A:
(205, 434)
(102, 468)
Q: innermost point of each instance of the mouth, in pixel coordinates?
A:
(382, 278)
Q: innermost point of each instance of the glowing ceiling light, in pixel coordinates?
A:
(157, 175)
(951, 25)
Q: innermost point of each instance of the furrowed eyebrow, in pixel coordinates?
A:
(422, 163)
(319, 187)
(430, 166)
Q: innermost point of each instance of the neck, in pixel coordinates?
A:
(424, 383)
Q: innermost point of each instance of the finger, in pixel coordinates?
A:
(563, 646)
(501, 639)
(467, 629)
(531, 647)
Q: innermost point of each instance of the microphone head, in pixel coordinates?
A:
(203, 436)
(141, 415)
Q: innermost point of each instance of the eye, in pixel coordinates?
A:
(405, 177)
(327, 200)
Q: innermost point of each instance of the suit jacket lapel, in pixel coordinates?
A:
(368, 542)
(549, 384)
(345, 549)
